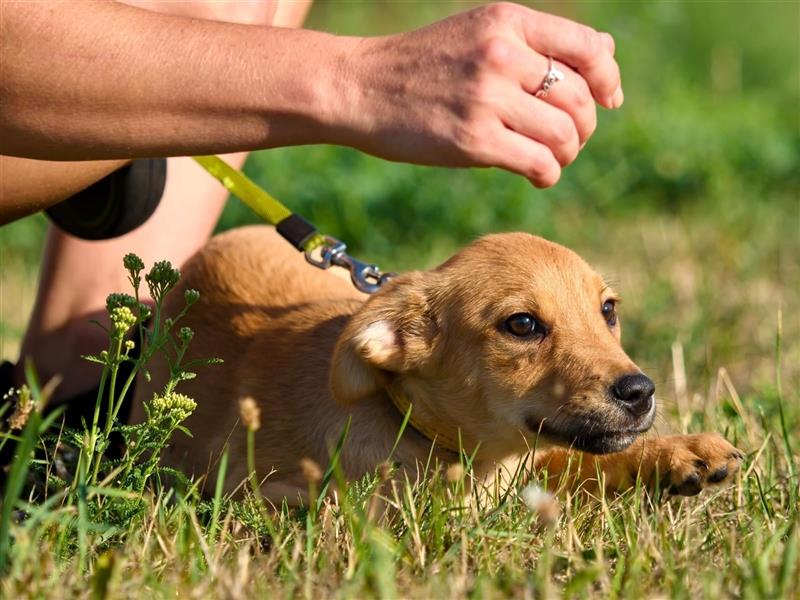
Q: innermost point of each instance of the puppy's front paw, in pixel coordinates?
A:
(699, 461)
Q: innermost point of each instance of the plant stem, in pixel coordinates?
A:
(92, 442)
(251, 464)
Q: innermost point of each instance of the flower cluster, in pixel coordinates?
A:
(191, 296)
(134, 265)
(172, 404)
(122, 319)
(116, 300)
(119, 300)
(161, 279)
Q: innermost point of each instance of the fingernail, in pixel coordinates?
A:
(617, 98)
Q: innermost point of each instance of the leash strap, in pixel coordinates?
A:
(295, 229)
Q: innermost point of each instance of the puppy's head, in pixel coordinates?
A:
(514, 337)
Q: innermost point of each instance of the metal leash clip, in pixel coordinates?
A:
(366, 277)
(295, 229)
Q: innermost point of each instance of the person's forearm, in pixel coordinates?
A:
(99, 80)
(465, 91)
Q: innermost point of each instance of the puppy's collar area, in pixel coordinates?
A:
(405, 405)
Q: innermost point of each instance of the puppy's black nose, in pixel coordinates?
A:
(635, 393)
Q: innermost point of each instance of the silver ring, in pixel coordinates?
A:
(553, 76)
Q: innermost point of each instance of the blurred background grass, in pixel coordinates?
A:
(687, 198)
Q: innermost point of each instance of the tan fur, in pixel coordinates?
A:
(313, 352)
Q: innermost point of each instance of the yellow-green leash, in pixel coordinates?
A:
(296, 230)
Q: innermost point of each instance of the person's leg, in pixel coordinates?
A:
(291, 13)
(77, 275)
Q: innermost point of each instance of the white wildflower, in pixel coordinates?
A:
(541, 502)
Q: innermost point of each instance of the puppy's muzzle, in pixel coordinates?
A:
(632, 413)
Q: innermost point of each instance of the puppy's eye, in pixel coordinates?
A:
(524, 325)
(609, 311)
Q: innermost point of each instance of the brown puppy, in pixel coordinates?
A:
(513, 343)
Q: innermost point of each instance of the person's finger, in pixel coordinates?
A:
(609, 42)
(519, 154)
(581, 47)
(536, 119)
(571, 94)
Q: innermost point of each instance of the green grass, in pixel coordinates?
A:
(687, 199)
(435, 542)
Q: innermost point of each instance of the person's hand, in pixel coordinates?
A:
(461, 92)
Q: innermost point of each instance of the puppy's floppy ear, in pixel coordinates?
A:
(392, 333)
(362, 354)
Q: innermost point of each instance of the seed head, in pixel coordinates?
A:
(311, 471)
(250, 413)
(24, 407)
(454, 473)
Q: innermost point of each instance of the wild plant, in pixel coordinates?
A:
(115, 465)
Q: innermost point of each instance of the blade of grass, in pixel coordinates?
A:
(15, 482)
(218, 488)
